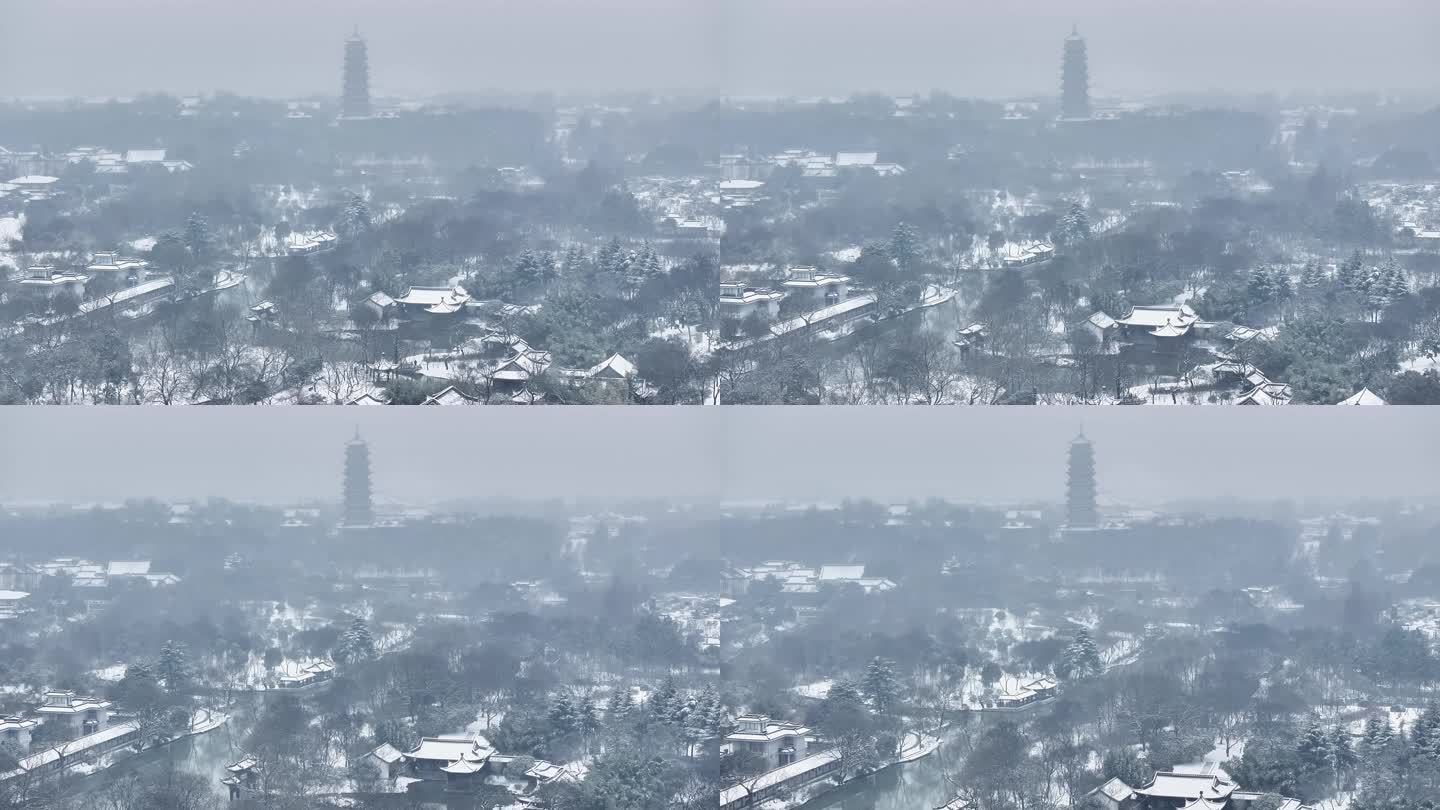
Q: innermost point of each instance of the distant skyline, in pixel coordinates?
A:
(994, 455)
(734, 47)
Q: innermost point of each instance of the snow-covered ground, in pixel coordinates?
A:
(818, 690)
(114, 672)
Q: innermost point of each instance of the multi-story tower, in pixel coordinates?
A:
(355, 99)
(1080, 510)
(357, 508)
(1075, 78)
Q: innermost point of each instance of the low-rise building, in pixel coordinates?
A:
(738, 301)
(432, 301)
(1026, 693)
(445, 756)
(45, 280)
(15, 732)
(778, 742)
(816, 288)
(112, 262)
(1024, 254)
(308, 675)
(309, 243)
(242, 776)
(387, 761)
(1158, 325)
(12, 604)
(76, 716)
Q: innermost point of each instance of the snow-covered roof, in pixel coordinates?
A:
(434, 296)
(67, 702)
(1154, 317)
(1171, 330)
(1363, 397)
(1268, 393)
(465, 766)
(756, 728)
(128, 568)
(1171, 785)
(450, 396)
(75, 746)
(740, 294)
(615, 366)
(1116, 790)
(778, 776)
(824, 314)
(35, 180)
(447, 748)
(544, 771)
(1101, 321)
(841, 572)
(856, 158)
(145, 156)
(523, 366)
(805, 276)
(16, 723)
(1023, 252)
(387, 753)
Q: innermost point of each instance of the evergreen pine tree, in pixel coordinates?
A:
(564, 714)
(197, 237)
(880, 685)
(622, 704)
(1075, 225)
(1081, 658)
(1342, 753)
(1397, 284)
(651, 261)
(587, 716)
(1425, 735)
(712, 710)
(1350, 273)
(1282, 288)
(1312, 277)
(665, 701)
(1313, 749)
(904, 246)
(575, 260)
(355, 220)
(173, 667)
(356, 644)
(1371, 745)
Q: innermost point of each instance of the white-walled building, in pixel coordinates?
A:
(817, 287)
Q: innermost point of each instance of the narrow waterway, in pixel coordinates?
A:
(204, 754)
(918, 785)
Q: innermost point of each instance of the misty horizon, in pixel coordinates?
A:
(745, 48)
(1144, 457)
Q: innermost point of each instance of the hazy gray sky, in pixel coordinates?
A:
(984, 454)
(972, 47)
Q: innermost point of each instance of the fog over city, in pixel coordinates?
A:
(1118, 320)
(741, 47)
(769, 454)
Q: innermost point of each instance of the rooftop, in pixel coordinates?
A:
(782, 774)
(1171, 785)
